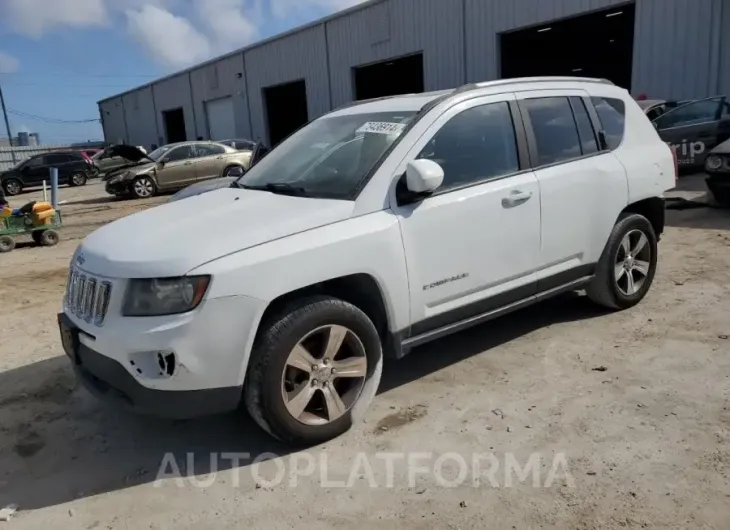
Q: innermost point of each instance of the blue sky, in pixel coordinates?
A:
(59, 57)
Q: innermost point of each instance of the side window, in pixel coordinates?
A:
(475, 145)
(56, 159)
(209, 150)
(691, 114)
(34, 162)
(587, 135)
(612, 114)
(180, 153)
(555, 130)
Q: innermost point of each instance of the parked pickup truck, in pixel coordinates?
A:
(374, 229)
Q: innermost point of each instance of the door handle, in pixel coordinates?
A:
(516, 198)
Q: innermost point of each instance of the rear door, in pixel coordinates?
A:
(582, 188)
(210, 160)
(62, 162)
(694, 129)
(178, 169)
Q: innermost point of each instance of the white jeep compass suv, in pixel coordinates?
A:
(374, 229)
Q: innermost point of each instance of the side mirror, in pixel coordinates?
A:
(422, 178)
(161, 164)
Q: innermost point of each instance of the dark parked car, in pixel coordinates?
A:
(695, 128)
(73, 169)
(653, 108)
(717, 167)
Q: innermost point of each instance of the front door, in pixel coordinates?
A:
(474, 245)
(694, 129)
(178, 168)
(35, 171)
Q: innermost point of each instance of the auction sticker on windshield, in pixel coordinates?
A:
(382, 127)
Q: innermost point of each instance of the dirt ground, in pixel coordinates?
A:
(637, 403)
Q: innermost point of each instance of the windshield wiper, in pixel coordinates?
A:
(280, 188)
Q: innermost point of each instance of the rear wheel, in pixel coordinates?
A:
(77, 179)
(143, 187)
(628, 264)
(7, 244)
(314, 370)
(233, 171)
(48, 238)
(13, 186)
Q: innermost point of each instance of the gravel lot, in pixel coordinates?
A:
(638, 404)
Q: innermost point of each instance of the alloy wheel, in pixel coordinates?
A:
(12, 187)
(324, 375)
(143, 187)
(633, 261)
(77, 179)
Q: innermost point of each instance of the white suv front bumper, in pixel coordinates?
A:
(175, 366)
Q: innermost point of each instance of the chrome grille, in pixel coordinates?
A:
(87, 297)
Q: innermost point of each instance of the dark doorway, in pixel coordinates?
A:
(286, 109)
(389, 78)
(174, 125)
(599, 44)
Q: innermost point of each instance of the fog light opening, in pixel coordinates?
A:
(167, 364)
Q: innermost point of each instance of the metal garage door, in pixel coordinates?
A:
(221, 124)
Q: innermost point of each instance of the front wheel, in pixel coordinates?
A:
(13, 186)
(314, 370)
(7, 244)
(143, 187)
(627, 267)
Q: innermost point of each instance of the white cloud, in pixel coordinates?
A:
(170, 39)
(280, 8)
(226, 22)
(34, 17)
(8, 63)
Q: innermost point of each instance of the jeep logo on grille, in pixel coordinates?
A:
(80, 259)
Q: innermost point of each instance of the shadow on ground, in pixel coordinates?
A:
(690, 205)
(57, 443)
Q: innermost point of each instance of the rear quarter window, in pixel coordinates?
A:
(612, 114)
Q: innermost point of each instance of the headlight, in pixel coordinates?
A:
(713, 163)
(164, 296)
(120, 177)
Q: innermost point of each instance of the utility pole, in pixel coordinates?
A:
(7, 124)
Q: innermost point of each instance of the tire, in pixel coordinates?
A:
(36, 236)
(722, 197)
(77, 179)
(234, 171)
(13, 186)
(48, 238)
(143, 187)
(611, 287)
(271, 373)
(7, 244)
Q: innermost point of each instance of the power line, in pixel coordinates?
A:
(51, 74)
(49, 120)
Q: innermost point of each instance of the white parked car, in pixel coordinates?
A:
(374, 229)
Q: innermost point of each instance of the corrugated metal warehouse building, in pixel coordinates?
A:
(663, 48)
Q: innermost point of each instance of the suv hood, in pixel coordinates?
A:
(174, 238)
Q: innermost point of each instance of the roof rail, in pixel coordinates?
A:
(543, 79)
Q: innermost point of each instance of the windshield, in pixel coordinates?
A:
(329, 157)
(159, 152)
